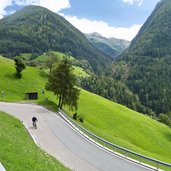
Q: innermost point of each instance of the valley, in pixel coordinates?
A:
(125, 87)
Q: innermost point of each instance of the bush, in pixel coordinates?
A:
(164, 118)
(81, 118)
(75, 116)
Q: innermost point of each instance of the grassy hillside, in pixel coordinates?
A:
(15, 89)
(18, 151)
(42, 59)
(33, 80)
(77, 70)
(125, 127)
(107, 119)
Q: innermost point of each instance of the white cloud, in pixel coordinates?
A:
(3, 5)
(88, 26)
(139, 2)
(53, 5)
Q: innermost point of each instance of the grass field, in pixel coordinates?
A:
(33, 80)
(80, 72)
(43, 58)
(125, 127)
(108, 120)
(18, 152)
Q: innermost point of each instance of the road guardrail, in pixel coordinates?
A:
(128, 154)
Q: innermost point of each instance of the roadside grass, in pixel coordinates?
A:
(124, 127)
(50, 105)
(18, 152)
(104, 118)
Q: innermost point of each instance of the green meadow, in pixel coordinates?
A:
(125, 127)
(106, 119)
(33, 80)
(42, 59)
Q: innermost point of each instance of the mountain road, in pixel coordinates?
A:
(60, 140)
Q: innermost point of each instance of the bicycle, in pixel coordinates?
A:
(34, 125)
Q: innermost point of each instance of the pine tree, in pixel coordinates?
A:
(62, 82)
(19, 65)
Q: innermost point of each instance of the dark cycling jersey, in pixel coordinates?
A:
(34, 119)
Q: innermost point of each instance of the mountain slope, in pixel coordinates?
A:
(111, 46)
(107, 119)
(36, 30)
(148, 60)
(154, 36)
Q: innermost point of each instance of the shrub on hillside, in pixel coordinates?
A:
(80, 117)
(165, 118)
(75, 116)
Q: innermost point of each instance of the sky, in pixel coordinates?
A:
(111, 18)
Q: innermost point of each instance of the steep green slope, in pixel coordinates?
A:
(107, 119)
(33, 80)
(36, 30)
(15, 89)
(19, 152)
(148, 60)
(125, 127)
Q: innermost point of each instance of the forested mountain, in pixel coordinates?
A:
(147, 61)
(110, 46)
(36, 30)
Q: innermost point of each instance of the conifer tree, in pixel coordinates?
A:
(62, 82)
(19, 65)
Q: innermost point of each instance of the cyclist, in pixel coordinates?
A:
(34, 120)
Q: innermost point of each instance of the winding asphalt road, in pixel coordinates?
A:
(57, 138)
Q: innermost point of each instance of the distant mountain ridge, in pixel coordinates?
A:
(110, 46)
(36, 30)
